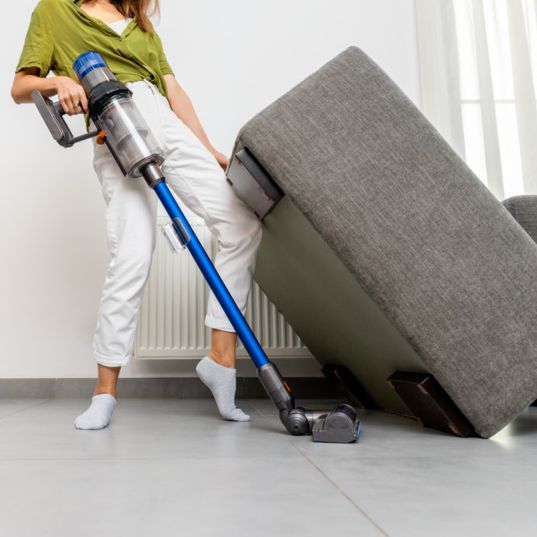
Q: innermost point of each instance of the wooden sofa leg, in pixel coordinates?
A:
(429, 402)
(348, 386)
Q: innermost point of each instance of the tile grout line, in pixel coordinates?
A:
(343, 493)
(26, 408)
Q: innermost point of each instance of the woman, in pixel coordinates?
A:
(60, 30)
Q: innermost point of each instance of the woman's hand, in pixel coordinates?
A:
(71, 95)
(221, 159)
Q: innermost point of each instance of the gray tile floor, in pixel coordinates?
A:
(169, 467)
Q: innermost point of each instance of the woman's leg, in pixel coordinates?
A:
(107, 380)
(223, 347)
(130, 221)
(103, 402)
(197, 179)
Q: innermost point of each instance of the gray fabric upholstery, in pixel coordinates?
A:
(447, 265)
(524, 211)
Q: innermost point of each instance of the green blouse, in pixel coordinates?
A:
(60, 31)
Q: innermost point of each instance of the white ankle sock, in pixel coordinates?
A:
(98, 415)
(222, 381)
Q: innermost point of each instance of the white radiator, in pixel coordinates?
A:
(171, 323)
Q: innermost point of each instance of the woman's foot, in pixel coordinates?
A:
(222, 381)
(99, 413)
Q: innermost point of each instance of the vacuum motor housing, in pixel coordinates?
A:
(114, 112)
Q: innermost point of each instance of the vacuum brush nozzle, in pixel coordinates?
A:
(339, 426)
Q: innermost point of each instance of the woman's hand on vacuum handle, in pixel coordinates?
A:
(71, 95)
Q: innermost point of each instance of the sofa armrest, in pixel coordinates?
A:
(524, 211)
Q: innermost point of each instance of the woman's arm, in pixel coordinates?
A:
(182, 106)
(70, 94)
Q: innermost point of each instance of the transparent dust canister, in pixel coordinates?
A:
(129, 136)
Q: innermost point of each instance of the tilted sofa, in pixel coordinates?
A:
(382, 248)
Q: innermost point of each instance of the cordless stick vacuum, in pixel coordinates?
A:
(122, 128)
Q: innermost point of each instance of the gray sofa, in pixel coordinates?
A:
(382, 248)
(524, 211)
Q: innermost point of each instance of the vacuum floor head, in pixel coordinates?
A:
(340, 426)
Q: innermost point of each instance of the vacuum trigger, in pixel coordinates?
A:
(101, 137)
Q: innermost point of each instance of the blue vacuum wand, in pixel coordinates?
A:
(122, 128)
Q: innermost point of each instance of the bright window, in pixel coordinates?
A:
(485, 55)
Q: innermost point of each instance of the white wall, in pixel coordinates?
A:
(234, 58)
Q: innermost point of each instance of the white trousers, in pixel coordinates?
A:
(196, 178)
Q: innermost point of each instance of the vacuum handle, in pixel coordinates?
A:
(52, 113)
